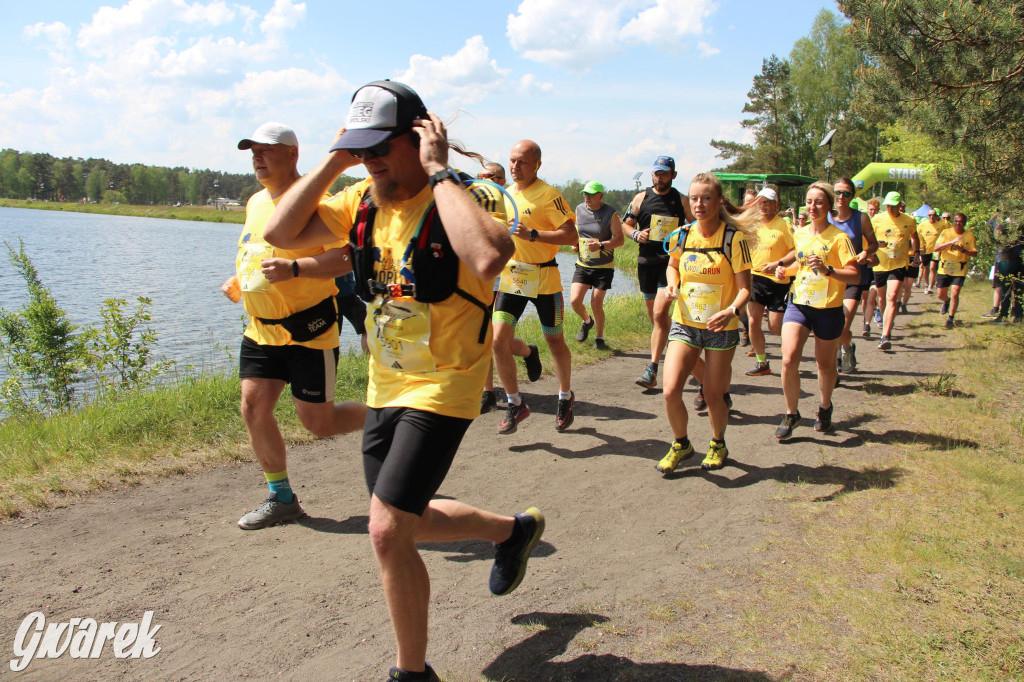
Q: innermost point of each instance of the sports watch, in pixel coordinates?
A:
(442, 175)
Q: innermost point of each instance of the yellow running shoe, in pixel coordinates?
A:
(717, 454)
(676, 454)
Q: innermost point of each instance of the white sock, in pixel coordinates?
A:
(513, 398)
(564, 395)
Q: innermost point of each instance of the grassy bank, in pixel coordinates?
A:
(178, 428)
(200, 213)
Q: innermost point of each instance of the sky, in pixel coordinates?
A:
(603, 86)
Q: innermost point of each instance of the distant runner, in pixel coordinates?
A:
(955, 247)
(600, 233)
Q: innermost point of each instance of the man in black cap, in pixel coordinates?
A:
(426, 249)
(650, 217)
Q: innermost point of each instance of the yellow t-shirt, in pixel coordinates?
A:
(834, 248)
(542, 208)
(274, 301)
(459, 363)
(955, 262)
(774, 240)
(927, 232)
(707, 282)
(896, 234)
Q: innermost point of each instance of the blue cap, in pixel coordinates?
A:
(665, 163)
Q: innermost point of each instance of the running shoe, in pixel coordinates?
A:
(513, 415)
(717, 454)
(649, 379)
(866, 331)
(789, 422)
(744, 339)
(884, 343)
(824, 420)
(949, 323)
(728, 399)
(1016, 319)
(510, 557)
(271, 513)
(992, 313)
(402, 675)
(751, 353)
(846, 360)
(760, 369)
(853, 357)
(599, 344)
(699, 403)
(945, 308)
(563, 415)
(929, 291)
(532, 361)
(903, 309)
(584, 331)
(488, 402)
(676, 454)
(878, 317)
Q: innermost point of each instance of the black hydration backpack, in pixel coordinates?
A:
(432, 270)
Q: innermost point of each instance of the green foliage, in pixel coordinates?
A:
(121, 349)
(42, 351)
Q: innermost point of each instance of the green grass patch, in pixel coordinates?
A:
(200, 213)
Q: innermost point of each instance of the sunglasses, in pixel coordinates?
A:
(845, 193)
(379, 149)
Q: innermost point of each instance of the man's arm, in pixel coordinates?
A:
(480, 241)
(867, 231)
(565, 234)
(618, 239)
(295, 223)
(327, 265)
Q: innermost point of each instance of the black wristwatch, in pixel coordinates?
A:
(295, 267)
(533, 235)
(829, 271)
(442, 175)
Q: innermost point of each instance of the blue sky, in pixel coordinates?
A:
(603, 86)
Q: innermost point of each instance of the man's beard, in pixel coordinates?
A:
(384, 193)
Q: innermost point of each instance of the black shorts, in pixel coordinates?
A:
(884, 276)
(651, 274)
(913, 271)
(945, 281)
(508, 308)
(826, 324)
(599, 278)
(407, 454)
(926, 260)
(853, 292)
(312, 372)
(769, 293)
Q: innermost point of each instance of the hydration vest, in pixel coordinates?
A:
(725, 249)
(430, 265)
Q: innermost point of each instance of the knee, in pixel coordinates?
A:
(321, 426)
(502, 342)
(255, 410)
(384, 535)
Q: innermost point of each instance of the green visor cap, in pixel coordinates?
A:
(593, 187)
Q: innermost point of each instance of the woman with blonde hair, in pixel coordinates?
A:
(825, 263)
(709, 276)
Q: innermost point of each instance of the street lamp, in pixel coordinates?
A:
(829, 161)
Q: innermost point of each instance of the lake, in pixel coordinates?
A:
(85, 259)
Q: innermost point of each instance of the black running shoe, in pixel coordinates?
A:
(510, 557)
(513, 415)
(824, 420)
(699, 403)
(564, 414)
(428, 675)
(488, 402)
(532, 361)
(728, 399)
(584, 331)
(789, 422)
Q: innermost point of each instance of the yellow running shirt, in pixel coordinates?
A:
(274, 301)
(927, 232)
(818, 290)
(896, 234)
(774, 240)
(955, 262)
(707, 282)
(542, 208)
(436, 345)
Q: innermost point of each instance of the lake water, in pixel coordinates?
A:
(85, 259)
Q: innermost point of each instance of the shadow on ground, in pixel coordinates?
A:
(531, 659)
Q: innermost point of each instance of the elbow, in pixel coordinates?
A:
(492, 265)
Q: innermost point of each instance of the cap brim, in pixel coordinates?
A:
(363, 138)
(662, 168)
(245, 144)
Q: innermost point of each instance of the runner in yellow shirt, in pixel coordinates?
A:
(709, 280)
(825, 265)
(896, 233)
(927, 232)
(954, 247)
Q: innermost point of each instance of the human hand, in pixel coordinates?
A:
(719, 320)
(232, 289)
(433, 143)
(277, 269)
(643, 235)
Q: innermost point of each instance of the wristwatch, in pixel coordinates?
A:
(295, 268)
(533, 235)
(442, 175)
(829, 271)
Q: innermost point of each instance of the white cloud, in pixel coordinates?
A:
(573, 35)
(460, 79)
(56, 33)
(529, 85)
(283, 16)
(706, 50)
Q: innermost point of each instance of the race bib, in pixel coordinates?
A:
(950, 267)
(521, 279)
(661, 227)
(700, 301)
(586, 255)
(400, 338)
(249, 266)
(895, 247)
(810, 289)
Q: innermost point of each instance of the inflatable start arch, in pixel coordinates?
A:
(889, 172)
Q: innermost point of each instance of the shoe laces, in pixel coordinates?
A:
(563, 408)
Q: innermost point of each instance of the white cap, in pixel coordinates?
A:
(271, 133)
(768, 193)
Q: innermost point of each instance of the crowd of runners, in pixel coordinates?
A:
(435, 268)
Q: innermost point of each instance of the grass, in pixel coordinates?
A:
(199, 213)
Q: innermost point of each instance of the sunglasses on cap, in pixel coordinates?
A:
(379, 149)
(845, 193)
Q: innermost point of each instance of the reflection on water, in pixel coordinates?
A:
(86, 258)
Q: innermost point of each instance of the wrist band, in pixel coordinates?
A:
(295, 268)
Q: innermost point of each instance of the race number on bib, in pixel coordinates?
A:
(586, 255)
(661, 227)
(400, 338)
(810, 289)
(950, 267)
(700, 301)
(521, 279)
(249, 266)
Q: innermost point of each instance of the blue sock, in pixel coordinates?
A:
(279, 484)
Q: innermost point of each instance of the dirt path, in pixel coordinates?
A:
(638, 576)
